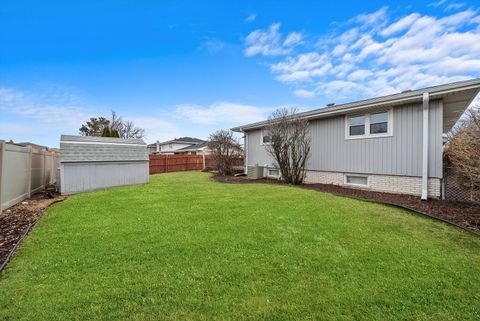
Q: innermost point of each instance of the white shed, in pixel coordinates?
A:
(89, 163)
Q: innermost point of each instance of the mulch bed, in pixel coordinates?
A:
(464, 214)
(15, 220)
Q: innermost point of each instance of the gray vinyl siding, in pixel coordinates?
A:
(81, 177)
(399, 154)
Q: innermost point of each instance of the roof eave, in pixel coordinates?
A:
(435, 93)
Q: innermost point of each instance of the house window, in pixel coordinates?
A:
(379, 123)
(369, 125)
(357, 126)
(266, 137)
(356, 180)
(273, 172)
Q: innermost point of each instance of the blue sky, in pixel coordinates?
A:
(189, 68)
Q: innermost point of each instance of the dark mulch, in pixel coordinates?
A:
(15, 220)
(461, 213)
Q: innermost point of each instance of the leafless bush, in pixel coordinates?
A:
(290, 144)
(463, 153)
(225, 149)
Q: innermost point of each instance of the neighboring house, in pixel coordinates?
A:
(197, 149)
(89, 163)
(390, 144)
(170, 146)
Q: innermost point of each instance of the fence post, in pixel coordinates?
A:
(2, 153)
(29, 168)
(203, 167)
(43, 168)
(166, 163)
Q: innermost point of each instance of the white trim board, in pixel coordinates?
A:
(100, 143)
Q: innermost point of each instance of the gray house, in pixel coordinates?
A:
(89, 163)
(391, 143)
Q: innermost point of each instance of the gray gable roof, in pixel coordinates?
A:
(193, 147)
(404, 97)
(101, 149)
(185, 140)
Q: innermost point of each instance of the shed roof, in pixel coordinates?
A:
(73, 138)
(101, 149)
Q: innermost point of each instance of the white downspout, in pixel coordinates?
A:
(426, 101)
(245, 142)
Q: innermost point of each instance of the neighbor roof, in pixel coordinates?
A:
(193, 148)
(186, 140)
(404, 97)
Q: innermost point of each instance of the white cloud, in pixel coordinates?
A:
(302, 68)
(437, 3)
(292, 39)
(454, 6)
(400, 25)
(373, 54)
(222, 112)
(251, 17)
(52, 106)
(372, 19)
(157, 128)
(360, 74)
(213, 45)
(271, 42)
(304, 93)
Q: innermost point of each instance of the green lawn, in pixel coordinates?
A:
(186, 248)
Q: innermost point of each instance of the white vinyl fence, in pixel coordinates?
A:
(24, 171)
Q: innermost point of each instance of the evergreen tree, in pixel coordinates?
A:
(106, 132)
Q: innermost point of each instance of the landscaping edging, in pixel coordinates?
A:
(25, 232)
(372, 198)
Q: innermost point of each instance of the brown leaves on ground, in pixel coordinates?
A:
(14, 220)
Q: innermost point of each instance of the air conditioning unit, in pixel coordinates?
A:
(255, 172)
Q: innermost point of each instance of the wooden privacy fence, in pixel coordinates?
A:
(24, 170)
(177, 163)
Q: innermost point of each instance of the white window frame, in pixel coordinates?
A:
(273, 169)
(367, 134)
(261, 138)
(345, 181)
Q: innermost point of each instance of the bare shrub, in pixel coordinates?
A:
(290, 144)
(463, 153)
(225, 150)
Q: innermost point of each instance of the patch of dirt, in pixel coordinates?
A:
(461, 213)
(16, 219)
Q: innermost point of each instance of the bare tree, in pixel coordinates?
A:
(290, 144)
(463, 153)
(225, 149)
(117, 127)
(129, 130)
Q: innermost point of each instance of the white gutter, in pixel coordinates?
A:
(426, 103)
